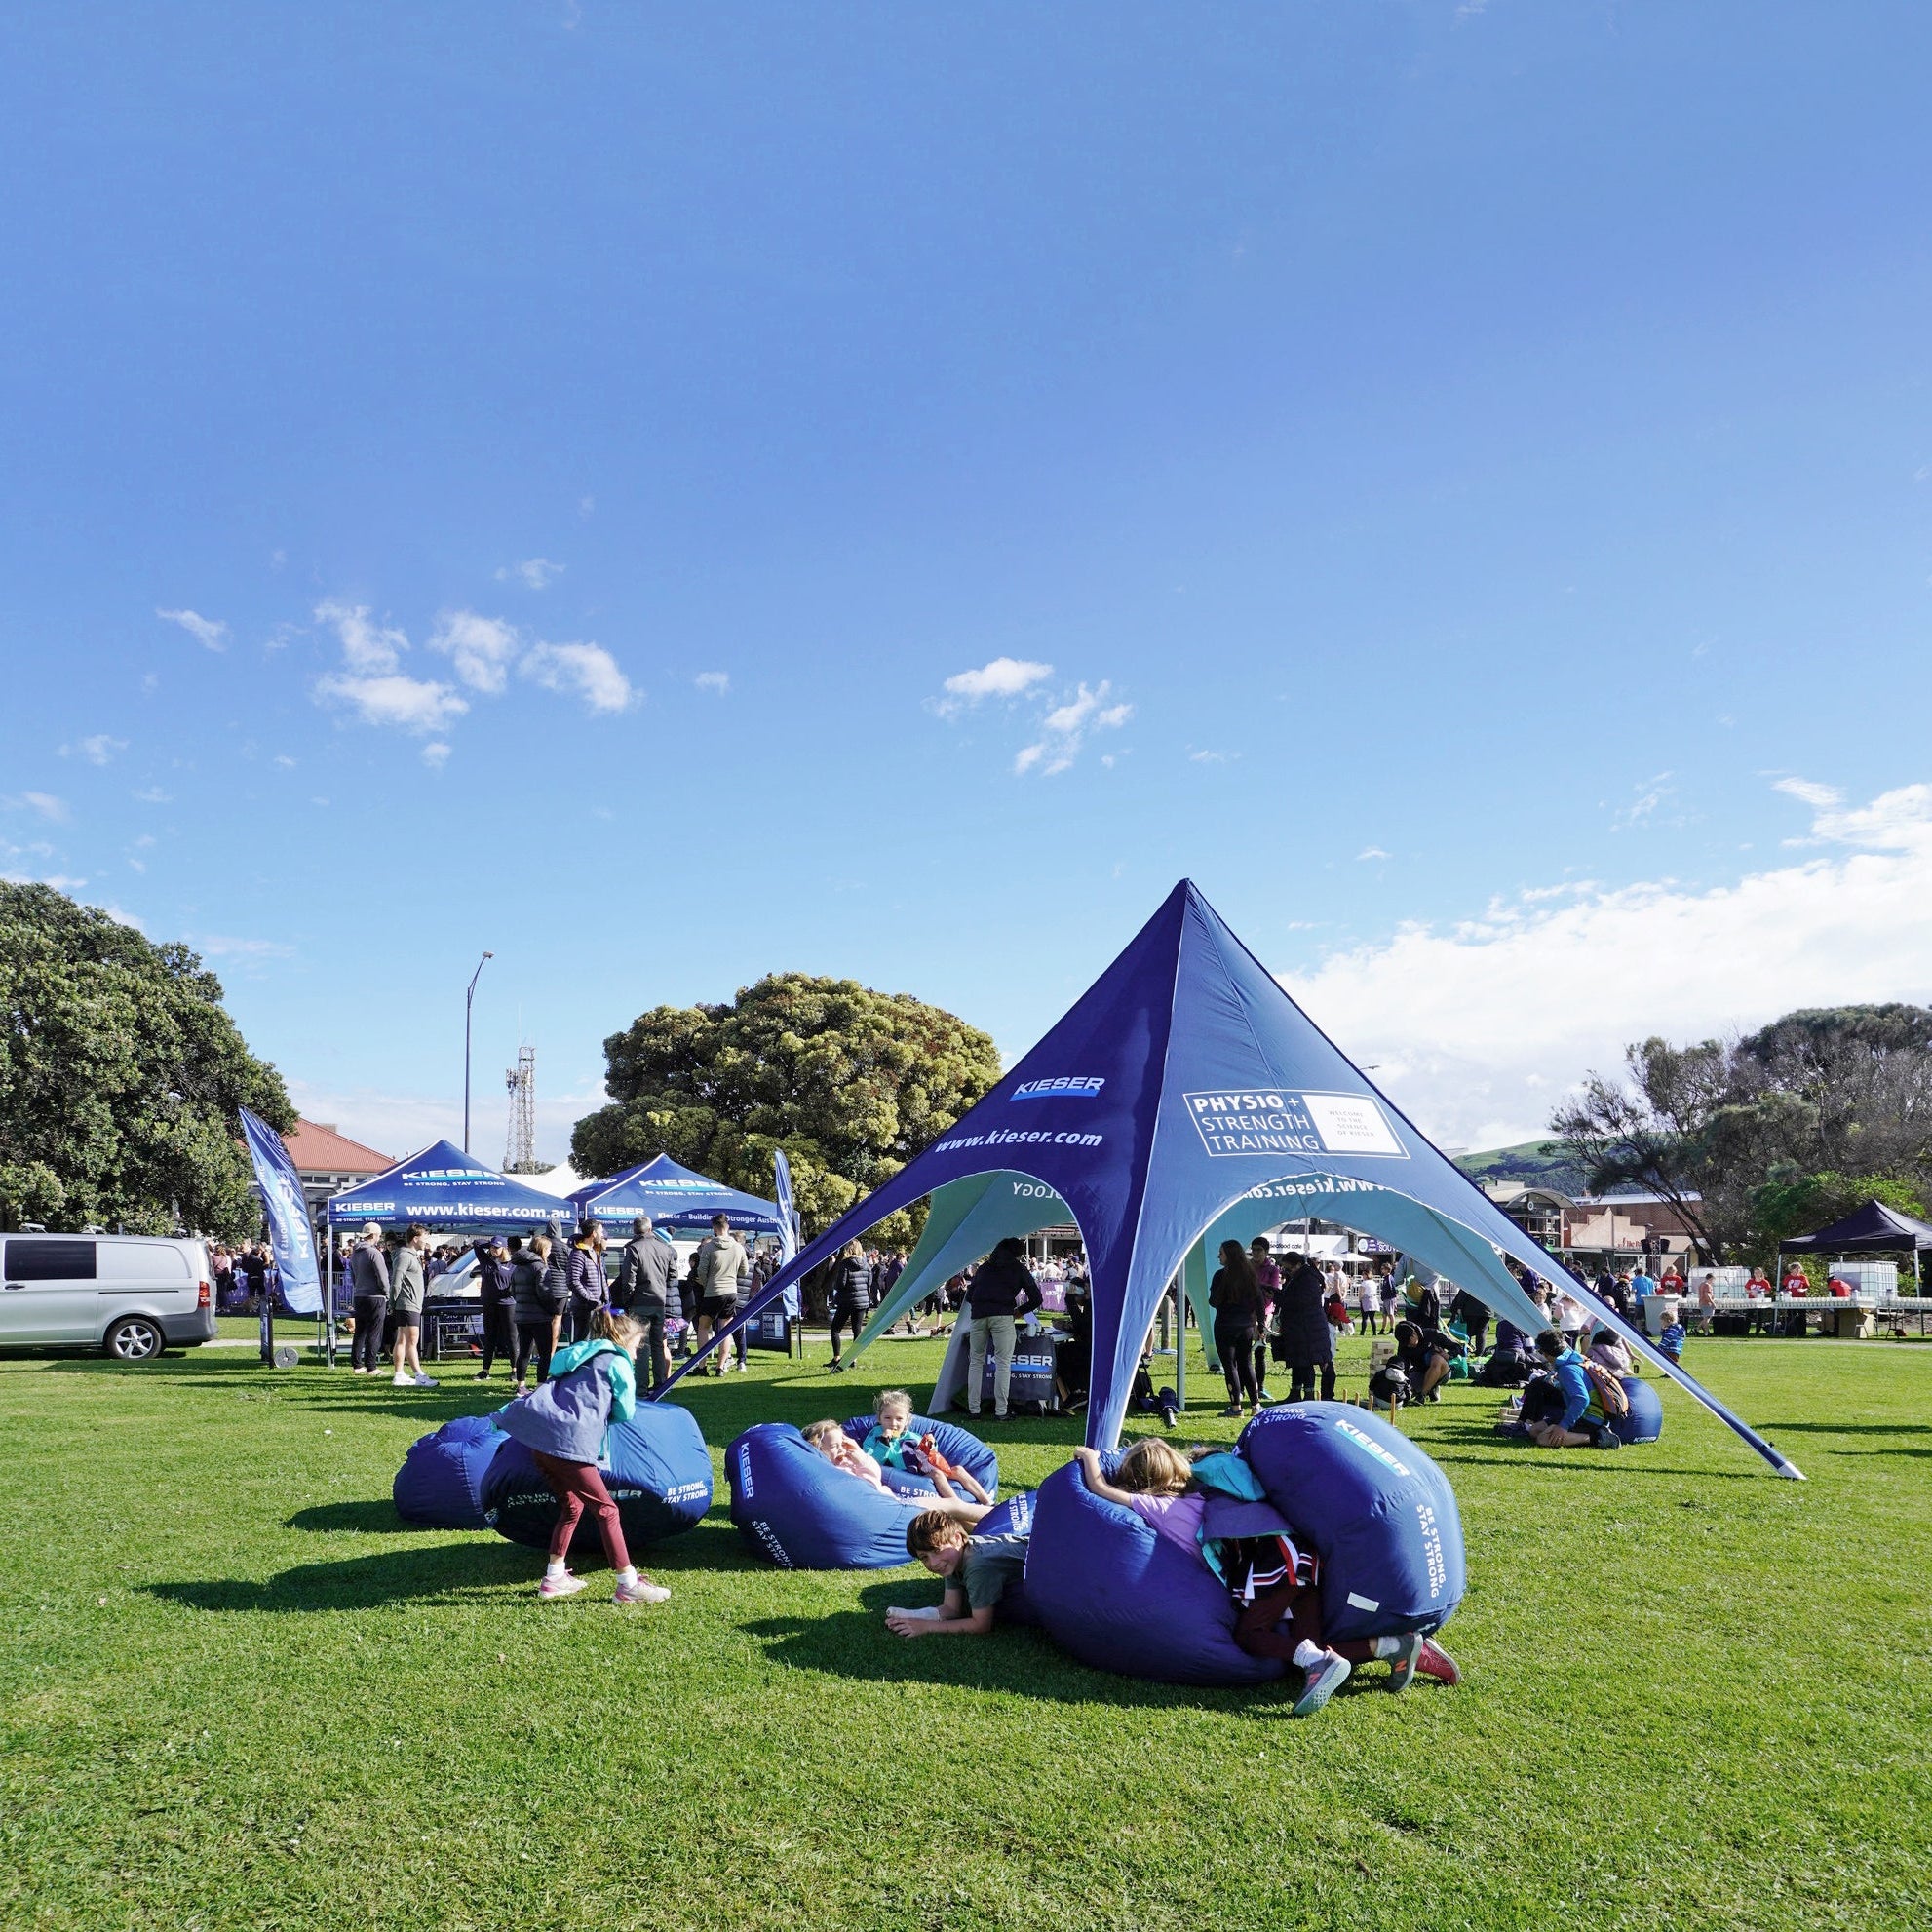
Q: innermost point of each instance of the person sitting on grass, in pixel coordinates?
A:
(1270, 1580)
(838, 1448)
(1581, 1423)
(1422, 1353)
(1608, 1350)
(978, 1572)
(891, 1445)
(564, 1424)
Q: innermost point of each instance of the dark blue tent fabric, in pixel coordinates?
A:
(1646, 1422)
(960, 1448)
(1874, 1228)
(1379, 1512)
(675, 1197)
(441, 1483)
(442, 1186)
(1183, 1082)
(1120, 1598)
(795, 1508)
(656, 1468)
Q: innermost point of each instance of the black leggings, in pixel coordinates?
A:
(1236, 1348)
(365, 1344)
(534, 1338)
(853, 1318)
(499, 1334)
(1301, 1381)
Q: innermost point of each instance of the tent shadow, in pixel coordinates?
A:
(466, 1572)
(372, 1518)
(1023, 1662)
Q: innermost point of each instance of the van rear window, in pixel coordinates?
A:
(48, 1257)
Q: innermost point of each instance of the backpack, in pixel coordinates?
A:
(1610, 1396)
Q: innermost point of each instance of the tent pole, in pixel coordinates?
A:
(1179, 1346)
(328, 1295)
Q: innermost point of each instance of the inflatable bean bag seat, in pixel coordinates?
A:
(1381, 1514)
(1646, 1422)
(657, 1470)
(441, 1483)
(961, 1449)
(1012, 1518)
(793, 1506)
(1120, 1598)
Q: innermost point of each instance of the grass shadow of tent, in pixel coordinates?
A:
(368, 1518)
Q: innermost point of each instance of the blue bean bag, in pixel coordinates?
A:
(441, 1483)
(960, 1448)
(1120, 1598)
(793, 1506)
(1012, 1518)
(1646, 1422)
(1381, 1514)
(656, 1468)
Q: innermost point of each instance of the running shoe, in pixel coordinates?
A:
(399, 1381)
(1324, 1680)
(565, 1585)
(1402, 1666)
(1233, 1408)
(640, 1591)
(1436, 1662)
(425, 1381)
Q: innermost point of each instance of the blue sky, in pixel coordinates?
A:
(1456, 480)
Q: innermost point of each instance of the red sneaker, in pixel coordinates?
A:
(1436, 1662)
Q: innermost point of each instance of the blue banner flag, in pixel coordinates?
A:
(787, 1215)
(288, 1215)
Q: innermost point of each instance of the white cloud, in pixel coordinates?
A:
(718, 682)
(1468, 1022)
(1214, 757)
(1652, 793)
(1066, 728)
(42, 803)
(60, 881)
(436, 756)
(282, 759)
(399, 1124)
(1002, 677)
(97, 751)
(482, 649)
(367, 648)
(1371, 852)
(153, 795)
(219, 946)
(411, 704)
(535, 572)
(588, 669)
(208, 631)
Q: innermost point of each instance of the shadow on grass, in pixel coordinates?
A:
(363, 1519)
(443, 1573)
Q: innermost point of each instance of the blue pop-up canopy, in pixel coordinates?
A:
(1185, 1092)
(675, 1199)
(442, 1186)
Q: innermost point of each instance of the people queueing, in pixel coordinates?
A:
(1235, 1296)
(369, 1281)
(407, 1289)
(538, 1298)
(499, 1320)
(1302, 1327)
(590, 1290)
(648, 1291)
(719, 1262)
(1000, 1291)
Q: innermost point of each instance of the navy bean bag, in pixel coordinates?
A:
(959, 1446)
(441, 1483)
(795, 1507)
(1120, 1598)
(1012, 1518)
(1381, 1514)
(1646, 1422)
(656, 1468)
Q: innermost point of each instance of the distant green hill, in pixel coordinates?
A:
(1536, 1163)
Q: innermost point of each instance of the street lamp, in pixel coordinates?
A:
(468, 1000)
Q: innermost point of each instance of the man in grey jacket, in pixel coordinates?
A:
(647, 1284)
(368, 1283)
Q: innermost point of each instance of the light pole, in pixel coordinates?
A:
(468, 1000)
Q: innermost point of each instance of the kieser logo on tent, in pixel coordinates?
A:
(1067, 1087)
(1276, 1122)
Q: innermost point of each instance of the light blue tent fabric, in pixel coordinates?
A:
(442, 1186)
(1180, 1083)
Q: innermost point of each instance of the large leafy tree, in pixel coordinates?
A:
(851, 1083)
(120, 1076)
(1758, 1137)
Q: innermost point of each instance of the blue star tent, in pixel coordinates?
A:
(442, 1186)
(676, 1199)
(1186, 1099)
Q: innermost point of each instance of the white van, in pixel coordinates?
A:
(130, 1295)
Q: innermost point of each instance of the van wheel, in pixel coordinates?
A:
(134, 1338)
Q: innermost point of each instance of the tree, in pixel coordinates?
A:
(120, 1076)
(1755, 1139)
(851, 1083)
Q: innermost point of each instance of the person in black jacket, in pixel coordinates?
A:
(1235, 1296)
(848, 1296)
(499, 1322)
(1302, 1328)
(1003, 1289)
(540, 1290)
(646, 1290)
(1474, 1315)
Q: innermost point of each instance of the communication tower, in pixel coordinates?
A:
(520, 1155)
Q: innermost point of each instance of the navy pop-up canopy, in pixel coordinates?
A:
(1874, 1228)
(675, 1198)
(1186, 1093)
(442, 1186)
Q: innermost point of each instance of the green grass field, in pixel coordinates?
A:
(240, 1693)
